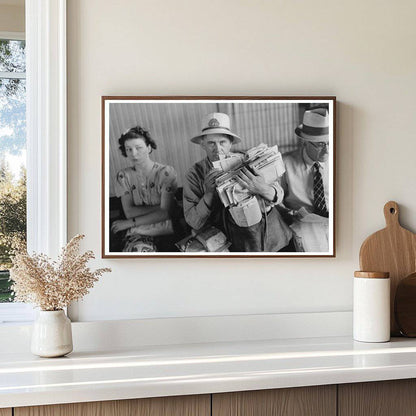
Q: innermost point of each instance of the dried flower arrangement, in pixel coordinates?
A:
(52, 285)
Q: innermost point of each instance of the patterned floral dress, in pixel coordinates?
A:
(146, 190)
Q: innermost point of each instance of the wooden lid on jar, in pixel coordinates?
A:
(372, 275)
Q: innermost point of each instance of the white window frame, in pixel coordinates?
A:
(14, 312)
(12, 35)
(46, 125)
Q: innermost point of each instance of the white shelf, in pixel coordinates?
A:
(150, 371)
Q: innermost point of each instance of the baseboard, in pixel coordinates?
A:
(110, 335)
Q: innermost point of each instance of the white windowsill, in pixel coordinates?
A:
(169, 370)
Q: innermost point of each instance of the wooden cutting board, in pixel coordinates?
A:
(393, 250)
(405, 306)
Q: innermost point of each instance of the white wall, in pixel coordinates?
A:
(361, 51)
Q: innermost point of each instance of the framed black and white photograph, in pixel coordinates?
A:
(218, 176)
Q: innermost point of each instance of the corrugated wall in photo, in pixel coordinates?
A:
(172, 126)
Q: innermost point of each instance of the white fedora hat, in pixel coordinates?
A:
(216, 123)
(315, 126)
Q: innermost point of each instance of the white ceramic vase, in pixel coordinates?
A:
(52, 334)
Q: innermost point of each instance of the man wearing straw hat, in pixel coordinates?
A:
(202, 206)
(305, 182)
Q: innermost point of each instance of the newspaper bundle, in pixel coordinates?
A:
(261, 160)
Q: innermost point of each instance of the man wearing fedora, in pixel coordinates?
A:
(306, 182)
(202, 206)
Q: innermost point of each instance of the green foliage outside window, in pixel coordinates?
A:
(12, 146)
(12, 224)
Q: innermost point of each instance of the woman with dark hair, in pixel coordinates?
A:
(146, 189)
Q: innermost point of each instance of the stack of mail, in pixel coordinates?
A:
(225, 187)
(260, 160)
(266, 161)
(209, 239)
(229, 163)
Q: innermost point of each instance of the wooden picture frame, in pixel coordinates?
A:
(268, 202)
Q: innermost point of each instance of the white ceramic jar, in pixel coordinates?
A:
(52, 334)
(371, 307)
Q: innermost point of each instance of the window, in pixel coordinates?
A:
(45, 134)
(12, 154)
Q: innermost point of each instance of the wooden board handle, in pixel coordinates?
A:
(391, 214)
